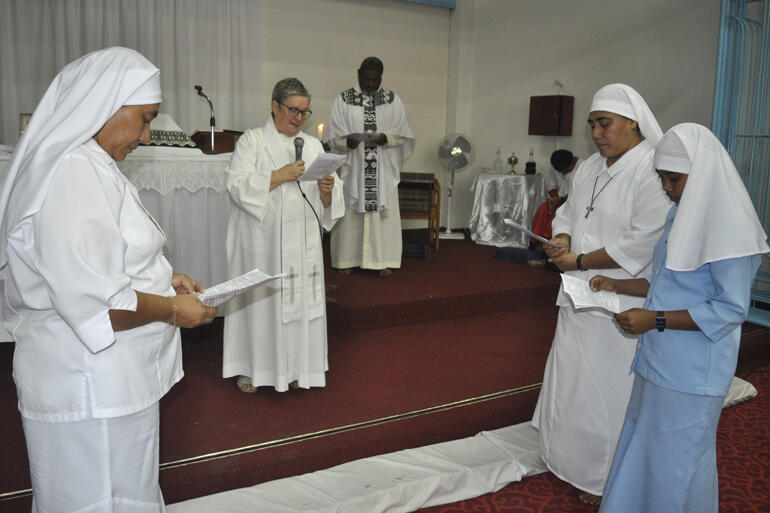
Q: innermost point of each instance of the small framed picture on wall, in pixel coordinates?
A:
(24, 118)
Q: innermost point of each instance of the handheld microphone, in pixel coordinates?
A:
(299, 142)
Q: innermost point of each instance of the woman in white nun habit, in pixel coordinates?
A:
(698, 296)
(91, 302)
(612, 217)
(275, 335)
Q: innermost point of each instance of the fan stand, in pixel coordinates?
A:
(449, 234)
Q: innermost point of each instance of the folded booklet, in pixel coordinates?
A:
(364, 137)
(582, 296)
(218, 294)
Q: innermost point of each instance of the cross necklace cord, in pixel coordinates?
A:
(590, 207)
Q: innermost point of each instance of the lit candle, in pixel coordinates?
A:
(320, 131)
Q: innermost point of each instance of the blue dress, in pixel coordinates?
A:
(666, 457)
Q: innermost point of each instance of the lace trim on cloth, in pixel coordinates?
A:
(166, 174)
(169, 138)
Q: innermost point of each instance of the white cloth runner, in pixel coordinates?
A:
(405, 480)
(401, 481)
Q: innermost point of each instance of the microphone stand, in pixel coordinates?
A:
(212, 121)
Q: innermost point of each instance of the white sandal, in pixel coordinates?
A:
(244, 385)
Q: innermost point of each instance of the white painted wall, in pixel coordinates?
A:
(503, 52)
(322, 42)
(473, 69)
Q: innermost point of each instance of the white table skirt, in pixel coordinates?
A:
(196, 227)
(186, 192)
(500, 196)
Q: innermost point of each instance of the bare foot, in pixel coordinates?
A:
(345, 271)
(591, 499)
(294, 385)
(244, 385)
(385, 272)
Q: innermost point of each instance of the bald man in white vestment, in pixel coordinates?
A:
(369, 236)
(92, 304)
(275, 335)
(609, 224)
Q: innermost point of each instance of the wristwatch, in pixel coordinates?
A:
(579, 262)
(660, 321)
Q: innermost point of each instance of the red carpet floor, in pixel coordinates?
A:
(437, 351)
(743, 458)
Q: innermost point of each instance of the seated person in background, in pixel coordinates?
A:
(557, 184)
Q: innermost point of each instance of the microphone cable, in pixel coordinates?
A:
(320, 227)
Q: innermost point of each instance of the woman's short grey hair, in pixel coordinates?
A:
(289, 87)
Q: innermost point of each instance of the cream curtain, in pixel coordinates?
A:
(214, 43)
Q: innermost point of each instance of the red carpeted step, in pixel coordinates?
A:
(373, 375)
(461, 279)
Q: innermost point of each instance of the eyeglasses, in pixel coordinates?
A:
(294, 111)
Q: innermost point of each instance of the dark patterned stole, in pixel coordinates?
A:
(369, 102)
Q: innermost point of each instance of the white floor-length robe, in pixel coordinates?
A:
(370, 239)
(588, 377)
(276, 333)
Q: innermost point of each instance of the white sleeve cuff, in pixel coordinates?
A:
(96, 333)
(630, 265)
(394, 140)
(125, 299)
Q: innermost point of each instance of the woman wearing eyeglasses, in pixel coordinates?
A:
(275, 335)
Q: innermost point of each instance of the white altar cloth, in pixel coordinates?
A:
(499, 196)
(188, 197)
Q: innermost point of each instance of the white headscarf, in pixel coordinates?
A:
(625, 101)
(79, 101)
(715, 219)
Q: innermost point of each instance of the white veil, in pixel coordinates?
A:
(715, 219)
(623, 100)
(79, 101)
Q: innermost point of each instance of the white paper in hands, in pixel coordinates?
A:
(324, 164)
(218, 294)
(517, 226)
(582, 296)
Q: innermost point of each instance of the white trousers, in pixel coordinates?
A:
(95, 465)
